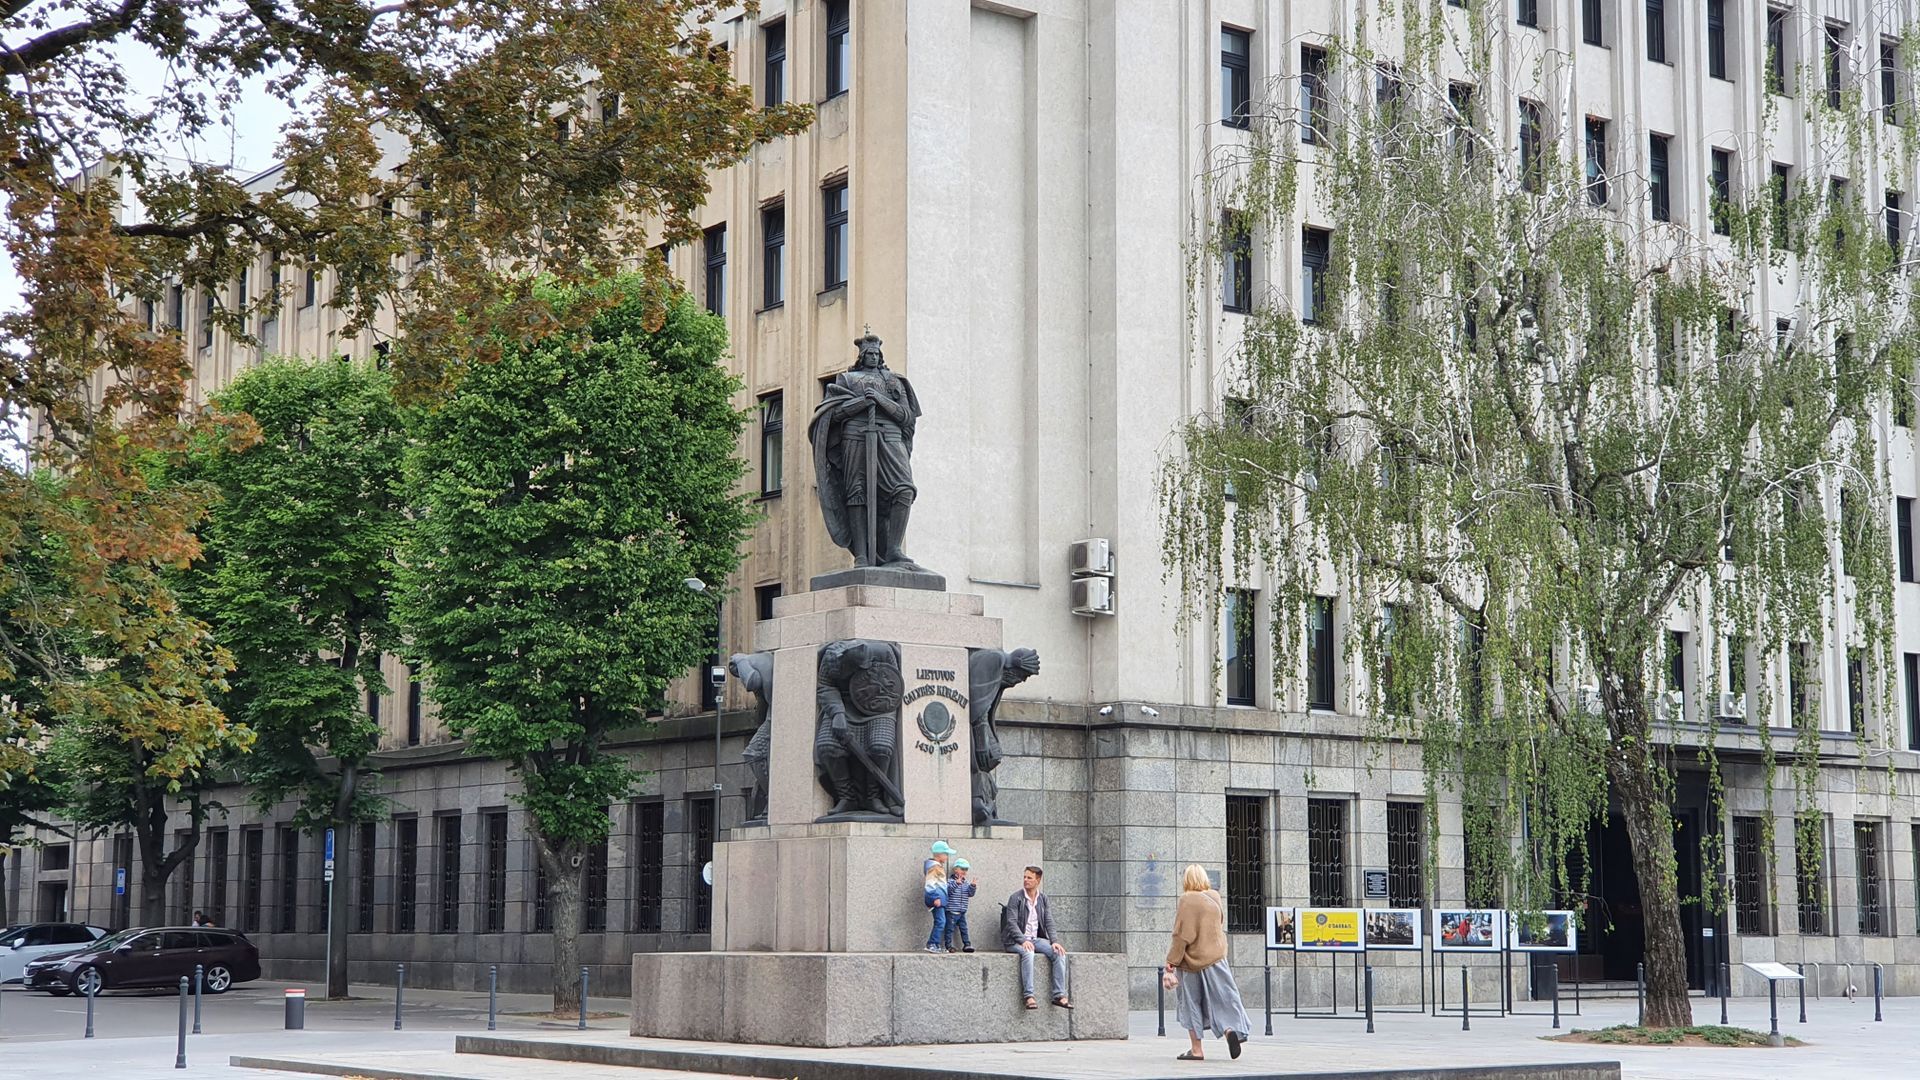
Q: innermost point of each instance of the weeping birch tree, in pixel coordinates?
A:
(1536, 404)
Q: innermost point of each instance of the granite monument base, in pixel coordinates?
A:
(853, 886)
(889, 577)
(870, 999)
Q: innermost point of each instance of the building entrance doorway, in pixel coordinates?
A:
(1613, 932)
(53, 901)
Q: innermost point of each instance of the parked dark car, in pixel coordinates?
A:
(150, 957)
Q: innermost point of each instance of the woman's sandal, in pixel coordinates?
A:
(1063, 1002)
(1031, 1003)
(1189, 1056)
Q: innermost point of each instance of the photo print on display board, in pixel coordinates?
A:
(1329, 930)
(1469, 929)
(1393, 928)
(1543, 931)
(1280, 933)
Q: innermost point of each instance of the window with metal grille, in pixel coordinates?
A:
(406, 874)
(716, 249)
(217, 877)
(1406, 865)
(594, 900)
(449, 898)
(1246, 861)
(1657, 31)
(1320, 647)
(1236, 82)
(363, 857)
(1809, 874)
(1717, 38)
(183, 878)
(649, 864)
(123, 899)
(1750, 878)
(495, 919)
(287, 842)
(700, 813)
(253, 858)
(1327, 852)
(1872, 884)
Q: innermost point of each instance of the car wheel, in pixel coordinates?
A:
(86, 981)
(219, 979)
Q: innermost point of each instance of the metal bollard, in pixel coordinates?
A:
(1369, 981)
(1556, 997)
(1160, 985)
(199, 976)
(180, 1055)
(399, 990)
(91, 992)
(1726, 976)
(493, 996)
(1466, 995)
(1266, 981)
(1802, 969)
(1876, 993)
(296, 1008)
(1640, 994)
(583, 998)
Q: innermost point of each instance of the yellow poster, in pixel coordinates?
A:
(1329, 928)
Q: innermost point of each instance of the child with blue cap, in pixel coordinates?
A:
(935, 889)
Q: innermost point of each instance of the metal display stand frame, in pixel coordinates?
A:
(1360, 1011)
(1440, 993)
(1506, 981)
(1420, 955)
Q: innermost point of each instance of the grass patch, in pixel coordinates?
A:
(1698, 1035)
(570, 1014)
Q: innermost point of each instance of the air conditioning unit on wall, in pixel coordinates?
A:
(1092, 596)
(1091, 558)
(1732, 707)
(1670, 706)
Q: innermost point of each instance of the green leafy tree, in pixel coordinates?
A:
(296, 579)
(566, 491)
(1522, 426)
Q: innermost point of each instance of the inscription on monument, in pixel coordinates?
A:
(936, 721)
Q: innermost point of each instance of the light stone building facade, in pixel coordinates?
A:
(1004, 192)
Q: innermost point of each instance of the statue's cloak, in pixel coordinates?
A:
(825, 430)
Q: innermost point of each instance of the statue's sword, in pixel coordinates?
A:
(873, 495)
(878, 773)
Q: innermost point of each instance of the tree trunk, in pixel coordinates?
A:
(6, 852)
(157, 864)
(1634, 772)
(566, 880)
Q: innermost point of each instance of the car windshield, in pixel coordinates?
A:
(110, 941)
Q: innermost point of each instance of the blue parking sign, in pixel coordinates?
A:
(329, 845)
(119, 881)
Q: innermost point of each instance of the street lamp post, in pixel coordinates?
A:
(717, 676)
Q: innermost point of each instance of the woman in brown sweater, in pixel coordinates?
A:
(1208, 997)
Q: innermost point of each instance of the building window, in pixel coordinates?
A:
(1236, 82)
(1867, 861)
(839, 47)
(373, 705)
(1313, 94)
(1486, 856)
(1736, 647)
(177, 309)
(773, 256)
(413, 712)
(1316, 255)
(206, 319)
(1914, 841)
(1776, 51)
(701, 812)
(1835, 38)
(834, 203)
(1246, 862)
(1656, 31)
(1904, 510)
(1890, 81)
(1677, 661)
(1596, 161)
(288, 842)
(763, 598)
(494, 920)
(1530, 158)
(649, 864)
(363, 880)
(773, 87)
(1406, 863)
(594, 900)
(1857, 690)
(1809, 872)
(217, 877)
(1658, 180)
(449, 898)
(1241, 650)
(1749, 878)
(406, 873)
(1799, 691)
(1320, 646)
(1782, 183)
(1327, 852)
(1717, 38)
(716, 248)
(1722, 193)
(772, 432)
(1895, 220)
(310, 290)
(253, 868)
(1592, 28)
(1236, 257)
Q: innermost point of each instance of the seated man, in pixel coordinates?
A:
(1026, 927)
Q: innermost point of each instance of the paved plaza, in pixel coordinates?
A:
(40, 1038)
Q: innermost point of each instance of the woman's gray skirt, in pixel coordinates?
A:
(1209, 999)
